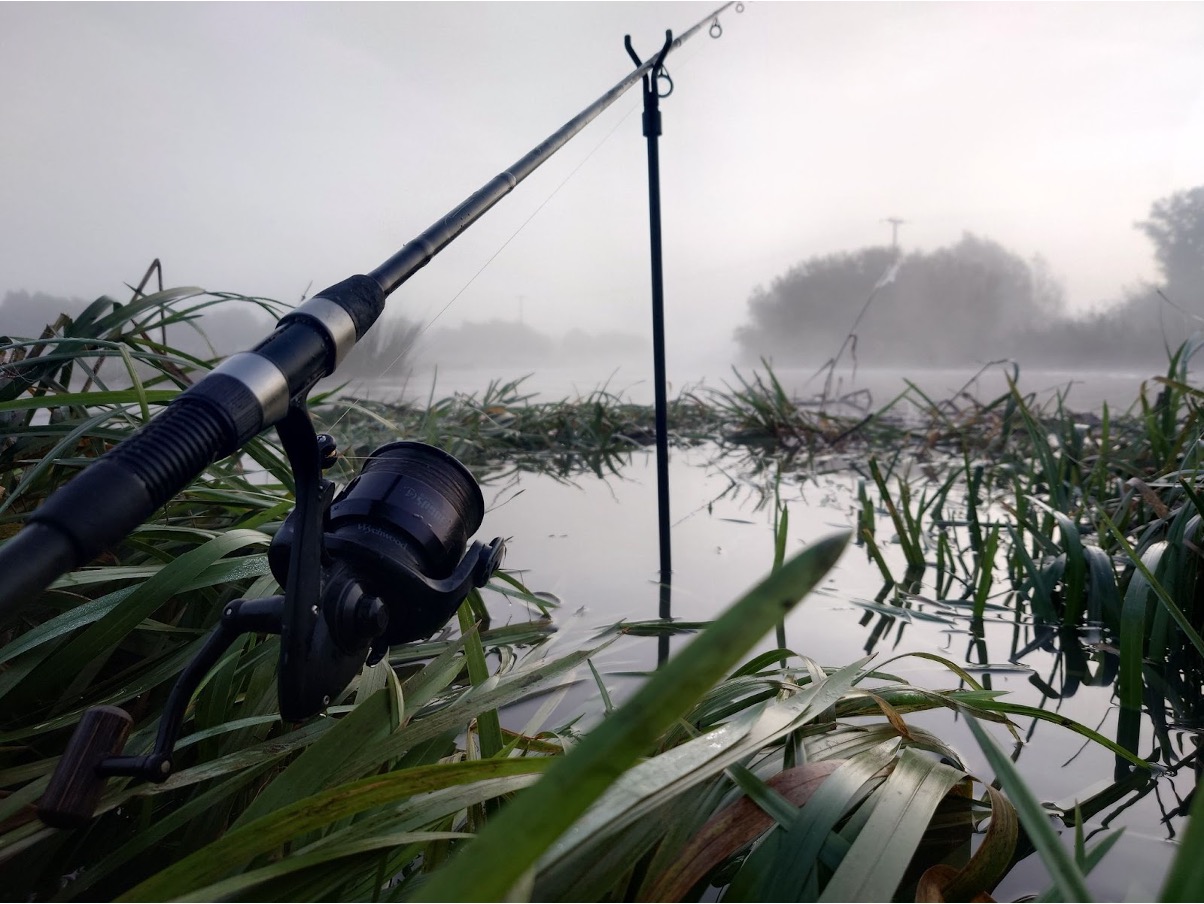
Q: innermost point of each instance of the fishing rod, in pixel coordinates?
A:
(383, 562)
(249, 392)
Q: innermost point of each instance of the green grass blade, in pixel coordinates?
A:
(232, 850)
(236, 887)
(805, 836)
(101, 638)
(1185, 882)
(317, 767)
(98, 399)
(488, 724)
(1068, 879)
(878, 858)
(511, 843)
(660, 779)
(1159, 591)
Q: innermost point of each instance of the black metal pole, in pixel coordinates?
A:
(652, 132)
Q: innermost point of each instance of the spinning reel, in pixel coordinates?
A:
(384, 562)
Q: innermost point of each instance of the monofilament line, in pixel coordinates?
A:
(521, 227)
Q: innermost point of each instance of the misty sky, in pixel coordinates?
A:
(269, 148)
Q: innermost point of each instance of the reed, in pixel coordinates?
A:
(773, 776)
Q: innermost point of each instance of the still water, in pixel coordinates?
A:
(592, 543)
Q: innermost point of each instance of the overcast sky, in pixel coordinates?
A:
(265, 148)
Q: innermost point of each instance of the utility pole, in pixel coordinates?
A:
(895, 223)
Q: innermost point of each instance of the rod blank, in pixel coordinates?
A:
(418, 253)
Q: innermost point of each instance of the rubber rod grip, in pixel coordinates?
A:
(103, 504)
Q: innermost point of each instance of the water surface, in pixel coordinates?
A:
(593, 544)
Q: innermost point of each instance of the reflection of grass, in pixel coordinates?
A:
(1094, 521)
(775, 776)
(1090, 527)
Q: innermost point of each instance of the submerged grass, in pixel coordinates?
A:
(774, 777)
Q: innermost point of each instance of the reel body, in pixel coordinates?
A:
(386, 562)
(394, 568)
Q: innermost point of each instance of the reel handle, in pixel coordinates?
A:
(75, 788)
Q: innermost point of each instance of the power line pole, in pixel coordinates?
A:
(895, 223)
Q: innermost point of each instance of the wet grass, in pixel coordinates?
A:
(774, 776)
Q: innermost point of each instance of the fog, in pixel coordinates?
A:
(274, 149)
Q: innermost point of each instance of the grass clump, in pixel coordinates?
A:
(771, 776)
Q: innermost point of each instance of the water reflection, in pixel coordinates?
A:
(1059, 662)
(665, 613)
(725, 542)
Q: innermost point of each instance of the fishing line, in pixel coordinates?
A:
(632, 109)
(523, 225)
(384, 370)
(686, 61)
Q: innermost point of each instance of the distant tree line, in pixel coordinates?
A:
(390, 350)
(975, 301)
(514, 344)
(24, 315)
(966, 303)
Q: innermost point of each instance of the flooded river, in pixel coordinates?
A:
(592, 544)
